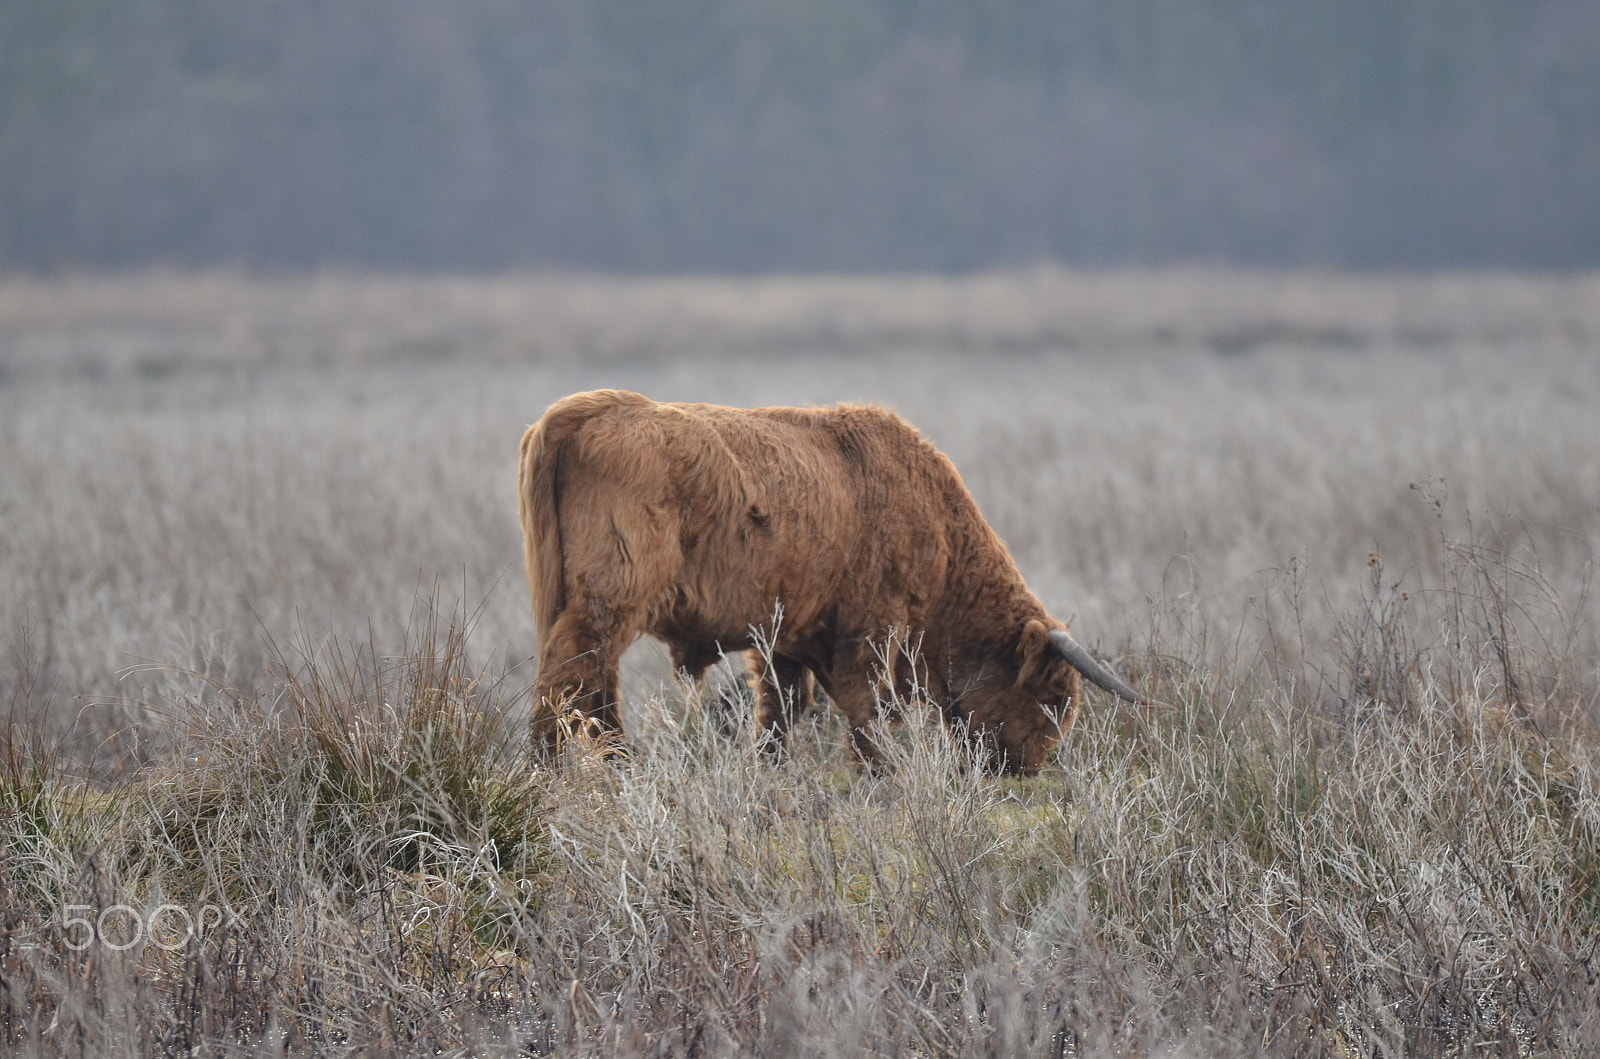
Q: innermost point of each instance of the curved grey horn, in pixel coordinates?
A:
(1071, 650)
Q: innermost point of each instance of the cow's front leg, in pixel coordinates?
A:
(854, 685)
(873, 679)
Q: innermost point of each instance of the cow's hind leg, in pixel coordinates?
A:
(783, 693)
(690, 660)
(578, 689)
(618, 555)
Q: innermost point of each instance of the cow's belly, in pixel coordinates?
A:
(780, 570)
(733, 628)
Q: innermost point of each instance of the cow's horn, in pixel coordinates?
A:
(1071, 650)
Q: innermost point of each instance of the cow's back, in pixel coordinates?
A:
(765, 509)
(840, 516)
(710, 515)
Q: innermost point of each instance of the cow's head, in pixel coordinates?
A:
(1028, 718)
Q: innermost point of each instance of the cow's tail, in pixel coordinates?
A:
(541, 524)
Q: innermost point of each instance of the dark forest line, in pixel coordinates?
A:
(713, 135)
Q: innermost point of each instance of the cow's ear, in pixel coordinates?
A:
(1035, 635)
(1031, 649)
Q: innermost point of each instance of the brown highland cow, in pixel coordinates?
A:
(691, 522)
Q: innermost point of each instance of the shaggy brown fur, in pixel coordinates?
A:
(691, 521)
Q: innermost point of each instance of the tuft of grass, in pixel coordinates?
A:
(382, 763)
(345, 860)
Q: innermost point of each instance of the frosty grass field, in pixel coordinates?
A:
(265, 644)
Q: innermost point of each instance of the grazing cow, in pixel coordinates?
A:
(692, 521)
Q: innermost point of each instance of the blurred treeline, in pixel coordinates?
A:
(732, 135)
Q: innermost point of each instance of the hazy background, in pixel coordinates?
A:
(753, 135)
